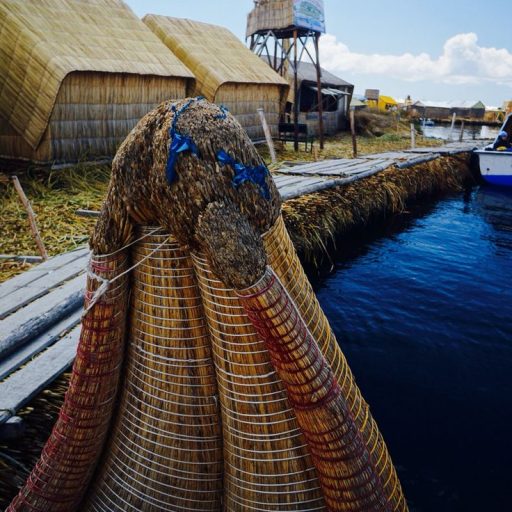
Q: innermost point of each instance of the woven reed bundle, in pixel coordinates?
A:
(60, 477)
(267, 463)
(283, 259)
(349, 479)
(165, 449)
(209, 188)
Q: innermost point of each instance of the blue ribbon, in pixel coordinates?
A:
(245, 173)
(223, 113)
(179, 142)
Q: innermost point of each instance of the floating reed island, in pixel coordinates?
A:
(314, 220)
(311, 221)
(207, 376)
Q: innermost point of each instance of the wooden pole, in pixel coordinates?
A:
(452, 125)
(413, 136)
(23, 259)
(319, 88)
(461, 134)
(295, 95)
(268, 136)
(31, 217)
(353, 131)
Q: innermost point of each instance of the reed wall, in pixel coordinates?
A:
(244, 100)
(270, 14)
(93, 113)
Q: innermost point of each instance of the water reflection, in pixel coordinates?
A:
(423, 314)
(470, 132)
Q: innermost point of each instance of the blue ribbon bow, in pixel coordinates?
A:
(245, 173)
(179, 142)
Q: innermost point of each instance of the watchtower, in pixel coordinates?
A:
(282, 31)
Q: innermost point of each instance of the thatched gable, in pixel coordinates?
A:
(226, 71)
(41, 42)
(214, 54)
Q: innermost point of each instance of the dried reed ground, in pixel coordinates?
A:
(55, 198)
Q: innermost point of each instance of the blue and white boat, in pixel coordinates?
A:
(496, 166)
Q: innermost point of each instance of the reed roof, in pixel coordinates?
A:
(42, 41)
(213, 54)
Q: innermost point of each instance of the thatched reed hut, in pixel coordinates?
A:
(75, 77)
(226, 72)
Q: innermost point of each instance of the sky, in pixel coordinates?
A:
(438, 50)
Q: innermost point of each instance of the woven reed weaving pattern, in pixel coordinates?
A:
(226, 71)
(270, 14)
(342, 460)
(213, 54)
(92, 115)
(60, 477)
(41, 42)
(283, 259)
(236, 395)
(165, 449)
(267, 463)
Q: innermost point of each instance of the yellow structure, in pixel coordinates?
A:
(494, 114)
(384, 103)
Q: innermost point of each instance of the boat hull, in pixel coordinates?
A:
(496, 167)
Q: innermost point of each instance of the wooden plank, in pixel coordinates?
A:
(12, 362)
(26, 383)
(41, 286)
(12, 429)
(326, 184)
(35, 318)
(337, 168)
(417, 160)
(40, 270)
(292, 180)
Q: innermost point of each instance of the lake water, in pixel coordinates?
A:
(441, 131)
(423, 311)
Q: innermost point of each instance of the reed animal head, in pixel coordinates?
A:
(189, 167)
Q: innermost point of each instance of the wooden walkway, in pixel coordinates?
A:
(40, 309)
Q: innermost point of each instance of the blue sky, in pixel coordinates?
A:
(433, 50)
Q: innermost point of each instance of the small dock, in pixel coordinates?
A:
(40, 309)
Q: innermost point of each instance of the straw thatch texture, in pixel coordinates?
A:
(60, 477)
(92, 115)
(284, 261)
(270, 15)
(226, 71)
(41, 43)
(165, 449)
(218, 199)
(347, 474)
(267, 465)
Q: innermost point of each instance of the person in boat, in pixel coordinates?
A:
(502, 142)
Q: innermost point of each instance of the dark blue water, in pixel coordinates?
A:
(423, 311)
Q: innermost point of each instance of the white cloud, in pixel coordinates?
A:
(462, 61)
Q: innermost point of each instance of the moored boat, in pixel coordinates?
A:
(496, 164)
